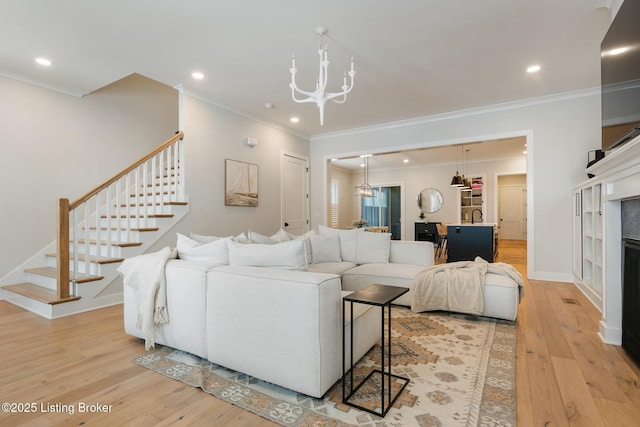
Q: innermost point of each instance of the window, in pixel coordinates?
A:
(384, 209)
(334, 204)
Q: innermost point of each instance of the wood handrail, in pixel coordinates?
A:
(178, 136)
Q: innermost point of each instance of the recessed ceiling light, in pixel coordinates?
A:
(268, 105)
(616, 51)
(405, 161)
(197, 75)
(533, 69)
(294, 120)
(524, 152)
(43, 61)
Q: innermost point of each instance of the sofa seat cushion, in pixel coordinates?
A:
(391, 274)
(331, 267)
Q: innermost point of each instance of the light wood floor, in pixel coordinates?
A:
(564, 374)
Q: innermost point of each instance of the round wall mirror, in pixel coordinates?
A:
(430, 200)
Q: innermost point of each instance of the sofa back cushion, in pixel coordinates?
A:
(373, 247)
(324, 248)
(215, 251)
(279, 236)
(410, 252)
(347, 240)
(290, 255)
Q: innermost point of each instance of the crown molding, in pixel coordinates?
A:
(463, 113)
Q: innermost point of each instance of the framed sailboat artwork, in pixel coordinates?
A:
(240, 183)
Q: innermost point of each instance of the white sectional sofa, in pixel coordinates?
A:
(281, 326)
(272, 309)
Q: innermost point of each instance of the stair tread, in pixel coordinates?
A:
(141, 216)
(38, 293)
(53, 272)
(92, 258)
(140, 229)
(164, 193)
(133, 205)
(104, 243)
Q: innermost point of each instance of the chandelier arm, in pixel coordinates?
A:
(320, 96)
(345, 89)
(309, 98)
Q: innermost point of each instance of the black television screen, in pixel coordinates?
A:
(620, 75)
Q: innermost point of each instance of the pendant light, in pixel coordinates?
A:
(364, 189)
(456, 181)
(466, 182)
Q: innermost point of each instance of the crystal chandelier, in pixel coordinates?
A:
(364, 189)
(320, 96)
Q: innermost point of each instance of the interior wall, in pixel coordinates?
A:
(560, 131)
(55, 145)
(415, 179)
(516, 179)
(212, 135)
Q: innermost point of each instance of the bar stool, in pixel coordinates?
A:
(442, 239)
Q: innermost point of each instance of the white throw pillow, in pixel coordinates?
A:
(347, 240)
(302, 236)
(216, 251)
(305, 238)
(204, 239)
(261, 238)
(373, 247)
(241, 238)
(281, 236)
(289, 255)
(324, 248)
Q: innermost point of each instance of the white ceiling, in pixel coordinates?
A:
(414, 58)
(481, 151)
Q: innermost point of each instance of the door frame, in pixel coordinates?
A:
(523, 218)
(527, 233)
(283, 155)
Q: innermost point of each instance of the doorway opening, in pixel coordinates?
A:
(384, 209)
(512, 206)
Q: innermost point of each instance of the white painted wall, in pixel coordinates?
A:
(212, 135)
(415, 179)
(55, 145)
(560, 131)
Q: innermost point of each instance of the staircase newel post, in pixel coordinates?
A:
(62, 288)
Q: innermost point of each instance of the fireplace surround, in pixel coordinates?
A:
(631, 298)
(618, 176)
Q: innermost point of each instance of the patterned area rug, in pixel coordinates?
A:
(461, 370)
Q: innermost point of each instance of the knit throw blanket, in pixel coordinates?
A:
(145, 275)
(457, 286)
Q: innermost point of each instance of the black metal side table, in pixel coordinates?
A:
(380, 296)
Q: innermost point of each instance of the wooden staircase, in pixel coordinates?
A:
(119, 219)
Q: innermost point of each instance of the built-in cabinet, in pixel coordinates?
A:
(472, 201)
(588, 240)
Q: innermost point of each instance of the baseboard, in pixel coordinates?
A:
(609, 335)
(552, 277)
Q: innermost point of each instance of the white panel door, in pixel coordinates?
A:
(513, 210)
(295, 194)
